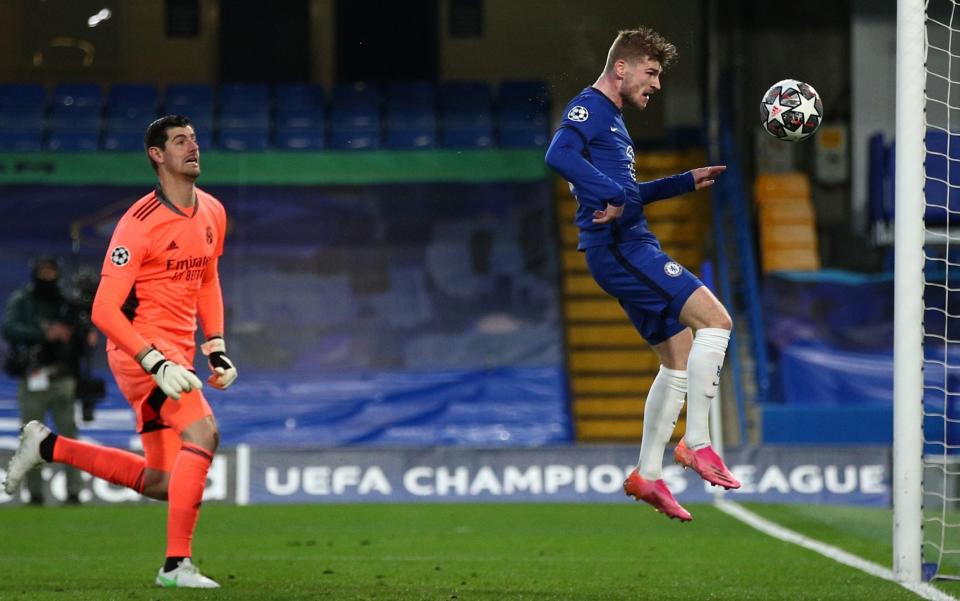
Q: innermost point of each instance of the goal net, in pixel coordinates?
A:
(927, 322)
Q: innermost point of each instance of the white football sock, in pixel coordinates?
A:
(660, 412)
(703, 371)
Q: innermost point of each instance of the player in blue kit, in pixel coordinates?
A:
(594, 152)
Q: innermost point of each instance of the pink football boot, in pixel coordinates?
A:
(707, 463)
(656, 493)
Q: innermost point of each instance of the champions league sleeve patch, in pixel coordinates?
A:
(120, 256)
(578, 114)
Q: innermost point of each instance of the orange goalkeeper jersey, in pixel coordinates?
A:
(161, 267)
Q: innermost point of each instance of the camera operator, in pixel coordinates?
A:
(40, 325)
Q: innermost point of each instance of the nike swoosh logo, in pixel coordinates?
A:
(168, 582)
(614, 129)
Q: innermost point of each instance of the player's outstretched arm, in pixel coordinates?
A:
(704, 177)
(682, 183)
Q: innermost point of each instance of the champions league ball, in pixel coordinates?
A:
(791, 110)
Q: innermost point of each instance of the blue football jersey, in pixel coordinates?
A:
(593, 150)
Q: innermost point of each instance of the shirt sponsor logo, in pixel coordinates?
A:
(188, 269)
(578, 114)
(120, 256)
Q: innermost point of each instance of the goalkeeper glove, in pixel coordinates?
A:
(224, 371)
(170, 377)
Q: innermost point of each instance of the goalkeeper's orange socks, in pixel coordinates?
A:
(113, 465)
(185, 493)
(703, 378)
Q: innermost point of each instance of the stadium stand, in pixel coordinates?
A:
(523, 115)
(128, 108)
(411, 118)
(466, 116)
(300, 118)
(75, 118)
(253, 116)
(22, 110)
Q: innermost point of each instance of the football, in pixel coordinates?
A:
(791, 110)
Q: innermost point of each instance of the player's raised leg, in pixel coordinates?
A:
(704, 313)
(38, 444)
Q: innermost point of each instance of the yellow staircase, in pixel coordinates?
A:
(787, 223)
(609, 365)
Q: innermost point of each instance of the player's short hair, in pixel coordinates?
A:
(156, 134)
(640, 43)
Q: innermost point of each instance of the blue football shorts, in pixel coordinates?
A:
(650, 286)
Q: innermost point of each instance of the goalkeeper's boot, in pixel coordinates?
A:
(656, 493)
(27, 456)
(185, 575)
(707, 463)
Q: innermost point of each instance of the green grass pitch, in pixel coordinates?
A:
(447, 552)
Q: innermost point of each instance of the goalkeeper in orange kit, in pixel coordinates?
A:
(159, 275)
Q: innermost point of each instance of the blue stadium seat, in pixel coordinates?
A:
(123, 140)
(355, 127)
(529, 137)
(466, 129)
(74, 119)
(193, 100)
(138, 95)
(522, 116)
(241, 140)
(359, 95)
(411, 128)
(78, 96)
(522, 92)
(205, 139)
(411, 117)
(245, 118)
(465, 96)
(522, 127)
(201, 119)
(467, 137)
(21, 141)
(298, 96)
(300, 118)
(21, 119)
(245, 96)
(355, 116)
(75, 140)
(349, 138)
(130, 117)
(300, 139)
(411, 139)
(410, 95)
(22, 96)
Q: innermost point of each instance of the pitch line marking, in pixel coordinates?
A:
(735, 510)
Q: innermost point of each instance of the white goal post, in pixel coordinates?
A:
(908, 293)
